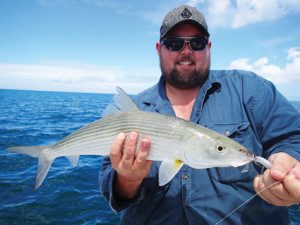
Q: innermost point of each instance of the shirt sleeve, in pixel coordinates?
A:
(116, 202)
(277, 121)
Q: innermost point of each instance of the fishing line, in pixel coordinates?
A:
(248, 201)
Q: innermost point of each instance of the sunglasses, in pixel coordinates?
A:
(176, 44)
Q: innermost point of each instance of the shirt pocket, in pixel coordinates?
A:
(239, 132)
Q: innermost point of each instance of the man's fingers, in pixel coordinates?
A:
(287, 169)
(292, 183)
(116, 150)
(131, 165)
(282, 163)
(276, 193)
(275, 188)
(142, 155)
(257, 187)
(129, 150)
(260, 184)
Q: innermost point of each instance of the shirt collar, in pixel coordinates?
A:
(157, 97)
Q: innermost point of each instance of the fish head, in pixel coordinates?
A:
(228, 152)
(215, 150)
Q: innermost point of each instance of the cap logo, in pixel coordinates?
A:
(186, 14)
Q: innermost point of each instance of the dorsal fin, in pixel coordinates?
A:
(121, 102)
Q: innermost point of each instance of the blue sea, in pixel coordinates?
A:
(69, 195)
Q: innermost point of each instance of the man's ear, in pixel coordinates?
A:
(158, 47)
(209, 44)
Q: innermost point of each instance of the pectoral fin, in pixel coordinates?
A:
(167, 170)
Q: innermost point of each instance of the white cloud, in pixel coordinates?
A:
(76, 77)
(251, 11)
(291, 5)
(293, 53)
(220, 13)
(239, 13)
(194, 2)
(289, 74)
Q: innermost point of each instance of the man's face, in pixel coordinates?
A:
(186, 68)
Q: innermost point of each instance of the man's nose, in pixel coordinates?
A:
(186, 47)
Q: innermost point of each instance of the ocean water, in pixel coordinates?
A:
(69, 195)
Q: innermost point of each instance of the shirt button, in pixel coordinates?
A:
(185, 204)
(185, 176)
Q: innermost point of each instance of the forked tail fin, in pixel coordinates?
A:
(33, 151)
(44, 162)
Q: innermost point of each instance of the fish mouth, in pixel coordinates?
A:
(251, 156)
(248, 154)
(241, 163)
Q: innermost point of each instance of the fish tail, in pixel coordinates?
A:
(44, 165)
(44, 162)
(33, 151)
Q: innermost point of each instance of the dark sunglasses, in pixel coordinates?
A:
(176, 44)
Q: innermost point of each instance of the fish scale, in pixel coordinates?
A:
(109, 127)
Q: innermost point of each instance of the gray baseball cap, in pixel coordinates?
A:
(180, 15)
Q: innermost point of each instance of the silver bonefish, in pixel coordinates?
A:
(173, 141)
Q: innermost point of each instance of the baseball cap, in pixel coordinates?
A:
(180, 15)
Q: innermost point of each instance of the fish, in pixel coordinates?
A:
(174, 141)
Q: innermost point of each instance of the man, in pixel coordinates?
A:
(239, 104)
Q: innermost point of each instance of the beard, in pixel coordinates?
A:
(186, 80)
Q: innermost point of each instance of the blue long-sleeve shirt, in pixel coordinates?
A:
(238, 104)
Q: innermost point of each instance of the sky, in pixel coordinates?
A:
(95, 45)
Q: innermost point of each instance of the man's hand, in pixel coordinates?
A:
(286, 169)
(131, 168)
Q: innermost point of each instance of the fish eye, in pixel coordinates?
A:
(220, 148)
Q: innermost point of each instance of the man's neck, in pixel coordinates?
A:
(182, 100)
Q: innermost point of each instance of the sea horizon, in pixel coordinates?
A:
(81, 92)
